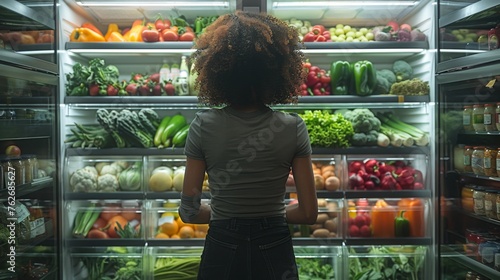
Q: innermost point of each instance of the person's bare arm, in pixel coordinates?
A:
(191, 209)
(306, 210)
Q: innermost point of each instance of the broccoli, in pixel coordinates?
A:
(363, 120)
(410, 87)
(403, 70)
(359, 139)
(383, 86)
(371, 137)
(388, 74)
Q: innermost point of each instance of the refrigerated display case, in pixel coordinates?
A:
(28, 141)
(332, 243)
(467, 183)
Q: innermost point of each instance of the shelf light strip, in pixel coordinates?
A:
(320, 4)
(308, 51)
(222, 4)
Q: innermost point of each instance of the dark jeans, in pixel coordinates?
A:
(253, 249)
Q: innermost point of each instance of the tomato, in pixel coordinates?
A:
(137, 77)
(97, 234)
(188, 29)
(109, 212)
(169, 89)
(150, 35)
(129, 214)
(113, 225)
(155, 77)
(187, 36)
(99, 223)
(169, 35)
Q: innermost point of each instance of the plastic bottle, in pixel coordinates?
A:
(182, 87)
(174, 74)
(165, 74)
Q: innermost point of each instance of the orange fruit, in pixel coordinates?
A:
(200, 234)
(162, 235)
(186, 232)
(113, 225)
(168, 224)
(181, 223)
(175, 236)
(201, 227)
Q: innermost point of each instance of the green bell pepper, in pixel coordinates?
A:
(364, 78)
(340, 74)
(401, 226)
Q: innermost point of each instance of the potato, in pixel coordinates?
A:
(296, 234)
(327, 173)
(331, 225)
(332, 183)
(322, 217)
(316, 226)
(322, 202)
(328, 168)
(319, 182)
(321, 233)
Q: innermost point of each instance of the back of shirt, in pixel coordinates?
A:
(248, 158)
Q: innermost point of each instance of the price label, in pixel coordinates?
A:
(491, 83)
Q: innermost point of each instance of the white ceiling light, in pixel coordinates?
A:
(113, 3)
(319, 4)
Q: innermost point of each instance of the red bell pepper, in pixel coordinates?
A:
(388, 182)
(405, 178)
(312, 78)
(355, 181)
(371, 165)
(318, 29)
(355, 166)
(320, 38)
(309, 37)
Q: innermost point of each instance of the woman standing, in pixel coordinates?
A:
(245, 63)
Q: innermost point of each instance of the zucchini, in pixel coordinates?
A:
(179, 139)
(174, 125)
(160, 129)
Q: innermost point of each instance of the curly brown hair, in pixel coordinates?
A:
(248, 59)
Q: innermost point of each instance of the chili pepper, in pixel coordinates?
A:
(401, 226)
(365, 78)
(388, 182)
(84, 34)
(340, 77)
(112, 27)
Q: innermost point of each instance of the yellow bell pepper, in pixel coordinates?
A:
(112, 27)
(134, 34)
(115, 37)
(84, 34)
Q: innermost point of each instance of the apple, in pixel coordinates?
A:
(347, 28)
(350, 34)
(339, 31)
(359, 34)
(363, 30)
(13, 151)
(339, 26)
(365, 231)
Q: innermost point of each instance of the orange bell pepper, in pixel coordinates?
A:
(92, 27)
(116, 37)
(112, 27)
(138, 22)
(134, 34)
(382, 222)
(414, 213)
(83, 34)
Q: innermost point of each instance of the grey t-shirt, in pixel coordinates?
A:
(248, 158)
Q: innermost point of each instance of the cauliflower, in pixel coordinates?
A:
(110, 169)
(403, 70)
(363, 120)
(100, 165)
(83, 180)
(92, 170)
(107, 183)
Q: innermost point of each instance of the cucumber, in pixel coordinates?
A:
(174, 125)
(163, 124)
(179, 139)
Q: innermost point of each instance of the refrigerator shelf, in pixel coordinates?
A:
(413, 241)
(182, 101)
(26, 189)
(373, 150)
(75, 152)
(463, 67)
(119, 195)
(477, 15)
(389, 194)
(452, 254)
